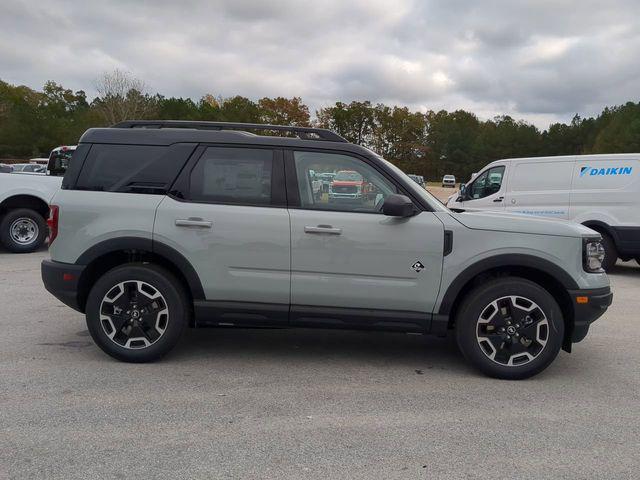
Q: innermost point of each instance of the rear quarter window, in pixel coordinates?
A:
(132, 168)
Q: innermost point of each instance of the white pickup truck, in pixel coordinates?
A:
(24, 203)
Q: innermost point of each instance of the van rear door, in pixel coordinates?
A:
(540, 188)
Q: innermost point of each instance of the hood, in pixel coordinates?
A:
(517, 223)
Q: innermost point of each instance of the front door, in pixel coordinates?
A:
(233, 227)
(351, 263)
(486, 191)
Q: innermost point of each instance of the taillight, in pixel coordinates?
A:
(52, 222)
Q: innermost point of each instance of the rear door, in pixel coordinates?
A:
(233, 227)
(350, 263)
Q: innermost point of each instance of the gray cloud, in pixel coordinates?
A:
(539, 60)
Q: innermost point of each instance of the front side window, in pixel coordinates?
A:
(233, 175)
(332, 181)
(485, 184)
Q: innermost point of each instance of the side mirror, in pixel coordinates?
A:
(398, 206)
(462, 187)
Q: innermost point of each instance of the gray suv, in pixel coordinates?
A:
(164, 225)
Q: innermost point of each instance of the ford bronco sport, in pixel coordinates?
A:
(161, 225)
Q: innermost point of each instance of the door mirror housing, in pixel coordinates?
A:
(398, 206)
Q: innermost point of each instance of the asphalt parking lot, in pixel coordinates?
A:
(306, 404)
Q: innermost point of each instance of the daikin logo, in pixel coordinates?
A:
(599, 172)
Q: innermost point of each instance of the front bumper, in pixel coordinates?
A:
(588, 306)
(62, 280)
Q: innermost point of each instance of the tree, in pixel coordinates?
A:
(121, 96)
(284, 111)
(355, 121)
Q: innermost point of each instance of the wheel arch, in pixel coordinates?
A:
(111, 253)
(549, 276)
(25, 201)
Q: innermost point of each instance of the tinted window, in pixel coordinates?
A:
(485, 184)
(233, 175)
(132, 168)
(330, 181)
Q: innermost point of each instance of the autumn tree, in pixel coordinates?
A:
(284, 111)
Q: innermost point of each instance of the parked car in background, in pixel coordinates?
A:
(419, 179)
(449, 181)
(28, 168)
(24, 202)
(196, 224)
(601, 192)
(5, 168)
(59, 160)
(348, 185)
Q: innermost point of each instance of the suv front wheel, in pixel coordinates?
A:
(510, 328)
(137, 312)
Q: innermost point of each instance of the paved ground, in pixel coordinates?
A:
(306, 404)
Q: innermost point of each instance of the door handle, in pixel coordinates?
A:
(327, 229)
(499, 199)
(193, 222)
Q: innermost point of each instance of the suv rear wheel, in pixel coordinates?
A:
(510, 328)
(23, 230)
(137, 312)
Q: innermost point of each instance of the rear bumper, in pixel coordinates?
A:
(588, 306)
(62, 280)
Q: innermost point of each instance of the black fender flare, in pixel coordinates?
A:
(505, 260)
(147, 245)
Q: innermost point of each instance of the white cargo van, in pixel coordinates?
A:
(599, 191)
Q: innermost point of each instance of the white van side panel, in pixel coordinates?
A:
(540, 188)
(606, 190)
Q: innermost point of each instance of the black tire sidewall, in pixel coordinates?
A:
(5, 235)
(610, 252)
(479, 298)
(166, 284)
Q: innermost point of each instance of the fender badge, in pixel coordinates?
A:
(418, 266)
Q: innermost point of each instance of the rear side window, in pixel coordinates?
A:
(132, 168)
(233, 175)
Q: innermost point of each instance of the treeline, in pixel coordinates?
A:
(429, 144)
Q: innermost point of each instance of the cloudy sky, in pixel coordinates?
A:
(539, 60)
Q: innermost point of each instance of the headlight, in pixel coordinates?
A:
(593, 255)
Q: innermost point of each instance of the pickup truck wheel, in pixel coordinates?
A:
(137, 312)
(23, 230)
(510, 328)
(610, 252)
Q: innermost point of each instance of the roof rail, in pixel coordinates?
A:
(303, 133)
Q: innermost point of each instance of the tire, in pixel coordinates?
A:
(545, 331)
(610, 252)
(133, 335)
(23, 230)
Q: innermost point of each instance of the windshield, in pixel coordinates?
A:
(347, 176)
